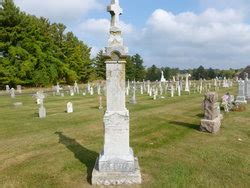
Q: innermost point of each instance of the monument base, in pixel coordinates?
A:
(211, 126)
(241, 100)
(116, 178)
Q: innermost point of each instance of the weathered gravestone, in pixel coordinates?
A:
(247, 87)
(212, 118)
(241, 98)
(116, 163)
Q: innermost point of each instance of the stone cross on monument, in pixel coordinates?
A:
(116, 163)
(115, 11)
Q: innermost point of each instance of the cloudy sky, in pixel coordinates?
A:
(174, 33)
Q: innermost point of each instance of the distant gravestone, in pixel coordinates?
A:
(212, 119)
(100, 102)
(19, 89)
(247, 87)
(7, 88)
(69, 107)
(42, 112)
(17, 104)
(179, 90)
(241, 97)
(76, 88)
(187, 85)
(12, 93)
(141, 89)
(133, 98)
(91, 91)
(71, 92)
(162, 77)
(39, 97)
(172, 90)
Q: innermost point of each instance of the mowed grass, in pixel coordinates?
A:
(60, 151)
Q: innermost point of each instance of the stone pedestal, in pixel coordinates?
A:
(117, 178)
(211, 126)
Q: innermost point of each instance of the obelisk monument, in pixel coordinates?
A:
(116, 164)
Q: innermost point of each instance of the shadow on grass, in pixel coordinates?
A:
(84, 155)
(200, 115)
(186, 125)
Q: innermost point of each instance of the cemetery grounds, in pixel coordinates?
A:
(60, 150)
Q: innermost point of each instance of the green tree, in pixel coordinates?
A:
(100, 66)
(139, 69)
(153, 73)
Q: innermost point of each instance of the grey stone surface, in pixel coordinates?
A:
(12, 93)
(241, 98)
(247, 88)
(210, 106)
(42, 112)
(212, 118)
(116, 177)
(211, 126)
(116, 164)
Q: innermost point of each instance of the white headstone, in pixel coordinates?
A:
(19, 89)
(69, 107)
(7, 88)
(12, 93)
(42, 112)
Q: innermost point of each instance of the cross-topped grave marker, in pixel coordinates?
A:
(115, 11)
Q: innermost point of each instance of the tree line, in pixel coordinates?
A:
(35, 52)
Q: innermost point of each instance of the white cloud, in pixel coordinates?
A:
(96, 30)
(213, 38)
(59, 10)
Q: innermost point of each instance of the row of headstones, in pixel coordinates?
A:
(40, 96)
(42, 109)
(72, 90)
(12, 90)
(153, 89)
(212, 116)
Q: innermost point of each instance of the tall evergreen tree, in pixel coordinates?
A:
(100, 66)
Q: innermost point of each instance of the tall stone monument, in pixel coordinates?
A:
(212, 118)
(116, 164)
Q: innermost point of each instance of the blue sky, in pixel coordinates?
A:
(174, 33)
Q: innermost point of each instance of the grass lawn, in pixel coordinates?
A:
(60, 151)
